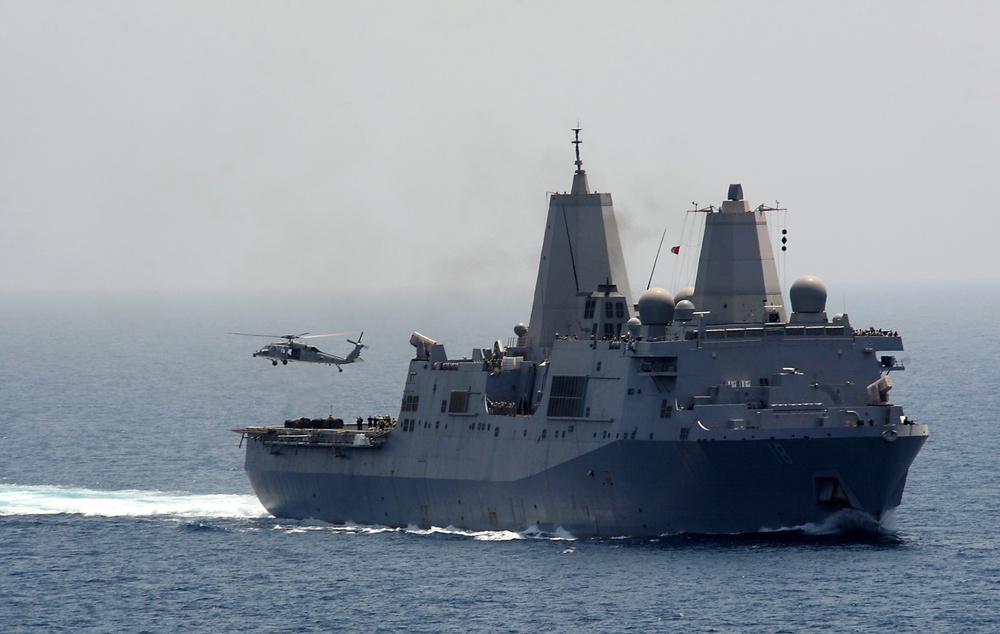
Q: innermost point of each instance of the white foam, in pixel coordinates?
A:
(493, 536)
(845, 521)
(53, 500)
(532, 532)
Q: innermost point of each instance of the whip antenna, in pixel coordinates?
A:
(650, 282)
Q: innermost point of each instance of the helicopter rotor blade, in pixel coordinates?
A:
(333, 334)
(288, 338)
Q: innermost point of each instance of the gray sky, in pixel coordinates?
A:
(359, 145)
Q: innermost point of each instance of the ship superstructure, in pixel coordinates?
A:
(718, 413)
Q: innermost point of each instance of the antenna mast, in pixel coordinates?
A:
(576, 141)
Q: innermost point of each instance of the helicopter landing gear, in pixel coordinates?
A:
(284, 362)
(340, 369)
(274, 363)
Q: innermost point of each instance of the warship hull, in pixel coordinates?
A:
(715, 412)
(624, 487)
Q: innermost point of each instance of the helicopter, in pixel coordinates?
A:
(292, 350)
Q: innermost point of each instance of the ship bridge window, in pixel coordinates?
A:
(410, 402)
(588, 309)
(567, 396)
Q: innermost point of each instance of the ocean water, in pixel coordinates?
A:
(123, 505)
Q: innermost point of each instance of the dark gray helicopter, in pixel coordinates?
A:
(292, 350)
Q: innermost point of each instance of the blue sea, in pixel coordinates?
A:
(124, 507)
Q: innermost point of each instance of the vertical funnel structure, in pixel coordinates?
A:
(581, 254)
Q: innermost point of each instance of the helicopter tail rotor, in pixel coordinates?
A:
(355, 355)
(364, 346)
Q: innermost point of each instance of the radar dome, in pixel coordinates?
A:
(520, 330)
(656, 307)
(808, 295)
(684, 293)
(633, 326)
(684, 310)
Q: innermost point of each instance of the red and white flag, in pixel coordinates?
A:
(675, 250)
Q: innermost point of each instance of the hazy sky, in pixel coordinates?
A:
(358, 145)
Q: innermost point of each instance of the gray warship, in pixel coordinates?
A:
(713, 412)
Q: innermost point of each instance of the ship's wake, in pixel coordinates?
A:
(532, 532)
(53, 500)
(28, 500)
(305, 526)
